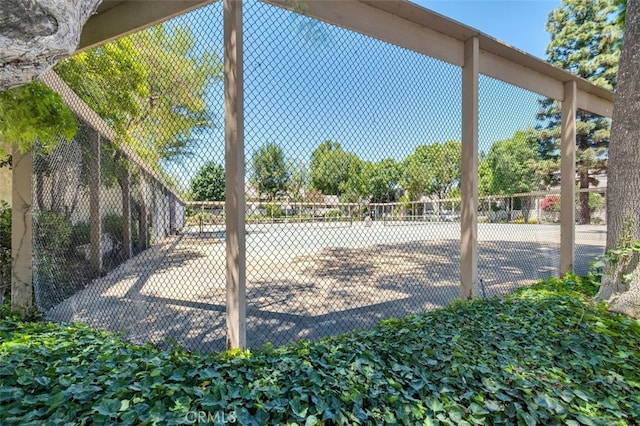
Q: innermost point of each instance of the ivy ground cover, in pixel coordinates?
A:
(544, 355)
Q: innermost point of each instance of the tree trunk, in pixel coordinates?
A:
(584, 212)
(623, 192)
(35, 34)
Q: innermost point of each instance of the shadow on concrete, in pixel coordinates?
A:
(176, 292)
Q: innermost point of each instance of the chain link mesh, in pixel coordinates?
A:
(519, 243)
(352, 149)
(155, 273)
(345, 111)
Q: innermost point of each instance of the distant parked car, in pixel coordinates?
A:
(448, 216)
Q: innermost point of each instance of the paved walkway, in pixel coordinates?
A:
(309, 281)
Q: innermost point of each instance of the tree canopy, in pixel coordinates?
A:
(208, 184)
(150, 87)
(585, 40)
(33, 112)
(298, 179)
(330, 167)
(510, 166)
(382, 180)
(270, 173)
(432, 170)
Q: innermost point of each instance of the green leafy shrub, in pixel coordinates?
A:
(113, 226)
(334, 214)
(53, 234)
(520, 221)
(616, 261)
(80, 234)
(52, 243)
(273, 210)
(5, 249)
(543, 355)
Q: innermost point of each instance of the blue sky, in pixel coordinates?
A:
(520, 23)
(306, 82)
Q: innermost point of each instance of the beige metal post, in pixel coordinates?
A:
(22, 234)
(234, 175)
(469, 176)
(567, 179)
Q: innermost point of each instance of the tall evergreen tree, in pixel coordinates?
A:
(208, 184)
(585, 40)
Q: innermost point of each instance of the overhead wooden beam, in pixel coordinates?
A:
(597, 105)
(368, 19)
(129, 16)
(518, 75)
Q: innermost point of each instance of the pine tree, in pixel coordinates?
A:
(585, 40)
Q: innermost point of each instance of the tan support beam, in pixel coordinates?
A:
(22, 234)
(469, 177)
(567, 178)
(370, 19)
(594, 104)
(125, 182)
(119, 18)
(234, 175)
(95, 201)
(519, 75)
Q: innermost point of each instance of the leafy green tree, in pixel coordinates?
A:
(511, 165)
(150, 87)
(208, 184)
(298, 179)
(31, 113)
(510, 168)
(330, 168)
(432, 170)
(270, 172)
(485, 176)
(585, 40)
(382, 180)
(585, 37)
(355, 187)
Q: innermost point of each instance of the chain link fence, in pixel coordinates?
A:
(517, 244)
(115, 242)
(353, 152)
